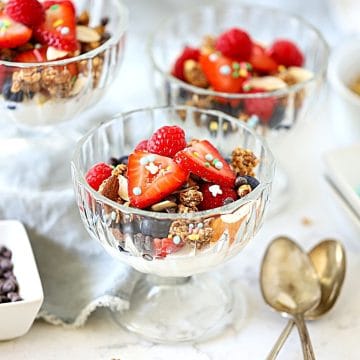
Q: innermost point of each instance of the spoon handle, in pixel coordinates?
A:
(305, 338)
(281, 340)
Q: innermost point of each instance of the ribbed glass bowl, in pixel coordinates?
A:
(129, 234)
(264, 26)
(56, 100)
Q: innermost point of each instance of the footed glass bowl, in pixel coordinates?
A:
(270, 113)
(170, 304)
(48, 93)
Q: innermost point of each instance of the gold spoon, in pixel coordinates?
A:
(328, 258)
(290, 285)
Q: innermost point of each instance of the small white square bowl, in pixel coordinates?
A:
(17, 317)
(344, 67)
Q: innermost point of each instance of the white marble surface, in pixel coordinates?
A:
(336, 336)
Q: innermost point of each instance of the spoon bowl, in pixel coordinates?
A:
(290, 285)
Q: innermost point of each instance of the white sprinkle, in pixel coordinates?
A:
(219, 165)
(152, 168)
(209, 157)
(65, 30)
(137, 191)
(213, 57)
(225, 70)
(200, 225)
(215, 190)
(176, 240)
(144, 160)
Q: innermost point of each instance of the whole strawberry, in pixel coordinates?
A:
(97, 174)
(235, 43)
(215, 196)
(28, 12)
(167, 141)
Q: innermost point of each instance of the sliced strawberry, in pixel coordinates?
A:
(59, 28)
(39, 55)
(215, 196)
(261, 61)
(223, 73)
(12, 33)
(262, 107)
(166, 246)
(286, 53)
(152, 177)
(203, 159)
(32, 56)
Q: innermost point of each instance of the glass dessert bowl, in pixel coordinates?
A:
(42, 85)
(268, 92)
(170, 303)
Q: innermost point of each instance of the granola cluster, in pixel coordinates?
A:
(243, 161)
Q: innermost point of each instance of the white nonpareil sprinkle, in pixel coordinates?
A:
(213, 57)
(65, 30)
(215, 190)
(219, 165)
(152, 168)
(137, 191)
(209, 157)
(225, 70)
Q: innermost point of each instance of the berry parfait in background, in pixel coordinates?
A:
(57, 57)
(260, 65)
(169, 197)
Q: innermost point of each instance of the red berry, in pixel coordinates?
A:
(152, 178)
(286, 53)
(204, 160)
(12, 33)
(28, 12)
(166, 246)
(97, 174)
(262, 107)
(261, 61)
(167, 141)
(215, 195)
(235, 43)
(142, 146)
(59, 28)
(188, 53)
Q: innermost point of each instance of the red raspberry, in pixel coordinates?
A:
(235, 43)
(188, 53)
(97, 174)
(142, 146)
(167, 141)
(216, 195)
(262, 107)
(28, 12)
(286, 53)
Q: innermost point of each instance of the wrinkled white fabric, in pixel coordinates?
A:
(36, 189)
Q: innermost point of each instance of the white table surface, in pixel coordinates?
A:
(336, 336)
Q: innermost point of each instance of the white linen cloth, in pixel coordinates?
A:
(35, 188)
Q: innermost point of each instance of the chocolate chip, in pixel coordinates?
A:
(13, 296)
(10, 285)
(6, 264)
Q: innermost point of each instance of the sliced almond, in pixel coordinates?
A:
(123, 188)
(86, 34)
(78, 86)
(163, 205)
(268, 83)
(54, 54)
(300, 74)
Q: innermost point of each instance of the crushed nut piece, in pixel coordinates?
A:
(110, 188)
(243, 161)
(182, 209)
(191, 198)
(243, 190)
(194, 74)
(121, 169)
(208, 45)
